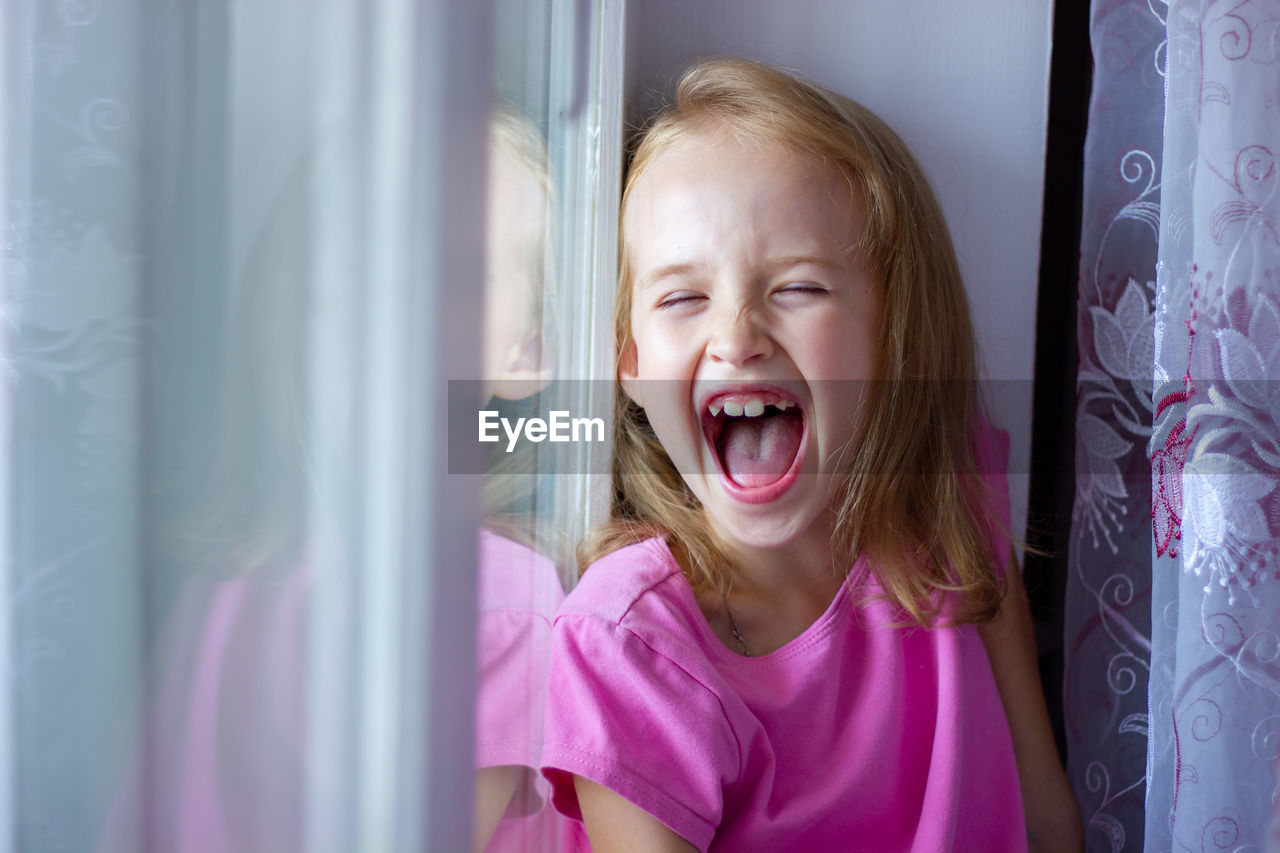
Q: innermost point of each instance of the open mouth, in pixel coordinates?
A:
(756, 435)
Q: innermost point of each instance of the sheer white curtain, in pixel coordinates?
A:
(1180, 278)
(1108, 618)
(243, 248)
(1208, 322)
(1215, 669)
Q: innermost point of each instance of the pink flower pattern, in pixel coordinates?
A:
(1215, 449)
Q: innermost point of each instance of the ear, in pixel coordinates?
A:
(629, 372)
(524, 373)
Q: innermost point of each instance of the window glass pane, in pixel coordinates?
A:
(542, 290)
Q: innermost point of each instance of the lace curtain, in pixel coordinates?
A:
(1215, 683)
(1174, 599)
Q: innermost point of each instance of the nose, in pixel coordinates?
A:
(737, 337)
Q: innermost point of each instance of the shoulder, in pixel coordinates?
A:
(990, 447)
(612, 587)
(990, 484)
(513, 576)
(633, 702)
(637, 605)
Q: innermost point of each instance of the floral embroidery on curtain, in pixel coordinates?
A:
(1215, 668)
(1174, 601)
(1108, 597)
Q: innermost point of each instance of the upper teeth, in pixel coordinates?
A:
(752, 407)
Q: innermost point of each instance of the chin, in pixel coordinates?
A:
(762, 532)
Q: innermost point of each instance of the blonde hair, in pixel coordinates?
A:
(911, 500)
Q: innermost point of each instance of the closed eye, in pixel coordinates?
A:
(678, 299)
(802, 287)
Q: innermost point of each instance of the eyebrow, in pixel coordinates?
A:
(780, 262)
(669, 271)
(783, 262)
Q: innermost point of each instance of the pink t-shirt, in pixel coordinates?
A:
(519, 592)
(222, 760)
(855, 735)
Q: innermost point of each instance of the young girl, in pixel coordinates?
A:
(803, 631)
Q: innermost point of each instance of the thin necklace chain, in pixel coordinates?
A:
(737, 635)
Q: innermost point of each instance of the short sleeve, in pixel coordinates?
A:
(991, 462)
(518, 593)
(512, 646)
(629, 718)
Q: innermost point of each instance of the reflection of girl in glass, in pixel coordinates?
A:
(222, 762)
(518, 587)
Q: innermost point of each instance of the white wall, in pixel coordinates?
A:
(964, 84)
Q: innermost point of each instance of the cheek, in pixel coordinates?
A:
(847, 346)
(838, 355)
(669, 410)
(858, 370)
(659, 353)
(842, 358)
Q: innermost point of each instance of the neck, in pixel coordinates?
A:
(777, 594)
(805, 564)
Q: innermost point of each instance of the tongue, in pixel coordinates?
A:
(758, 451)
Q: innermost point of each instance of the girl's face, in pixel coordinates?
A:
(514, 366)
(753, 322)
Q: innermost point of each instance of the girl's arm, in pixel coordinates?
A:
(1053, 821)
(616, 825)
(495, 786)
